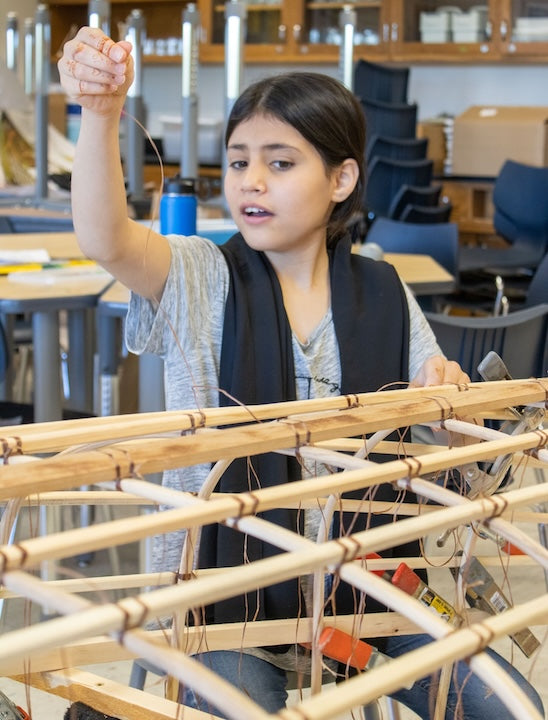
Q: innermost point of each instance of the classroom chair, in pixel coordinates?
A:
(414, 213)
(520, 338)
(439, 240)
(520, 218)
(380, 82)
(392, 119)
(385, 180)
(407, 148)
(423, 196)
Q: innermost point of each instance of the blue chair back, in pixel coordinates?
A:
(381, 82)
(439, 240)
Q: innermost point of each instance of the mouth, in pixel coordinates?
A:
(254, 211)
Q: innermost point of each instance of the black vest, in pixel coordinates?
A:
(372, 327)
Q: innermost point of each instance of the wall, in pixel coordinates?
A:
(437, 89)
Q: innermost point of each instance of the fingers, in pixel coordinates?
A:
(439, 371)
(94, 64)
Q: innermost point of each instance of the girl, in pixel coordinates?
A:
(282, 311)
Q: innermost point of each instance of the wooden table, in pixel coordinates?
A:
(423, 274)
(45, 294)
(60, 245)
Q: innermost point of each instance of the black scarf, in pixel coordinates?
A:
(372, 328)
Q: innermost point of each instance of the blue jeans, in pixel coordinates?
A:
(468, 698)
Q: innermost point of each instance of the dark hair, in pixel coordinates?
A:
(326, 114)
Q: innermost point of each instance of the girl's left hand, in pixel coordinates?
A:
(439, 371)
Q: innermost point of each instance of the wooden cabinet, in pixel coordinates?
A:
(465, 31)
(163, 21)
(386, 30)
(309, 30)
(295, 30)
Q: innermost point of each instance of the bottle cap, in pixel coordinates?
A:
(180, 186)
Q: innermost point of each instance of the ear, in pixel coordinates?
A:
(345, 176)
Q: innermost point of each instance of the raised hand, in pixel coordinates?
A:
(95, 71)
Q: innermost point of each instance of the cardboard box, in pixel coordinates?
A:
(433, 129)
(485, 136)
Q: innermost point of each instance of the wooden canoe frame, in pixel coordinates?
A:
(108, 455)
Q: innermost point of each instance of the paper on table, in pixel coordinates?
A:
(62, 275)
(13, 256)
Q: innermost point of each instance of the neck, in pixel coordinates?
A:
(306, 292)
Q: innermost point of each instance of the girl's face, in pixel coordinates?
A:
(277, 187)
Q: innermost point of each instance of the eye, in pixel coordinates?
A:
(283, 164)
(237, 164)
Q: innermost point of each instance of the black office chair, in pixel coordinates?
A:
(520, 198)
(381, 82)
(391, 119)
(537, 292)
(385, 179)
(425, 196)
(413, 213)
(11, 413)
(520, 338)
(411, 148)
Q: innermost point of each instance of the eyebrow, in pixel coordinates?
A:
(268, 146)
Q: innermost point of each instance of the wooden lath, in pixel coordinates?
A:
(116, 458)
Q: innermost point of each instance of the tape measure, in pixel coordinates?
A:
(10, 711)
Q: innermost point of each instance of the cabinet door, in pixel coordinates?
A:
(163, 23)
(296, 30)
(430, 30)
(268, 26)
(322, 34)
(522, 28)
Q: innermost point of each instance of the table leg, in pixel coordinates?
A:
(80, 359)
(8, 376)
(47, 367)
(109, 338)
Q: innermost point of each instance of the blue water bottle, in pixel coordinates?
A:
(178, 206)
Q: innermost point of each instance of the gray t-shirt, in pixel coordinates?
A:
(186, 331)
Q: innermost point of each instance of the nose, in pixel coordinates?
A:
(253, 178)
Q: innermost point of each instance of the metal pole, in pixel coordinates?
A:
(12, 41)
(347, 22)
(135, 107)
(189, 92)
(99, 15)
(235, 30)
(42, 35)
(29, 56)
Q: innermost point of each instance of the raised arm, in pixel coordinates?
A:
(96, 72)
